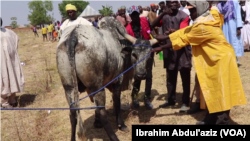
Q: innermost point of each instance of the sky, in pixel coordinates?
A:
(20, 9)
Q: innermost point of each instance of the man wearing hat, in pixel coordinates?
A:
(152, 17)
(123, 18)
(73, 19)
(138, 28)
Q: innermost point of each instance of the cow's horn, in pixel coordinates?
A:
(130, 38)
(153, 42)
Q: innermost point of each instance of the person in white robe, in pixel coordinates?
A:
(73, 19)
(245, 31)
(12, 77)
(184, 9)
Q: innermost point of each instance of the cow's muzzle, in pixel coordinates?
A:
(141, 76)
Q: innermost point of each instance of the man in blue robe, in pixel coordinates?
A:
(232, 25)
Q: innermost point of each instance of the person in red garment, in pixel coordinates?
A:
(138, 28)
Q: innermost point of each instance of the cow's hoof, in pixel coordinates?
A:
(124, 128)
(136, 104)
(98, 124)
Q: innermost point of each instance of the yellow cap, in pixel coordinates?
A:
(70, 7)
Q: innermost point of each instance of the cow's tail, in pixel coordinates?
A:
(71, 44)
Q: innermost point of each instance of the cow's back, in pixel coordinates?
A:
(97, 54)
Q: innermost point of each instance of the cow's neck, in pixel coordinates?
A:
(125, 43)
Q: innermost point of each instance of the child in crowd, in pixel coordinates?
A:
(55, 34)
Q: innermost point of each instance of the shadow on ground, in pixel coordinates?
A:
(25, 99)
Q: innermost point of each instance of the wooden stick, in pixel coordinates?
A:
(191, 99)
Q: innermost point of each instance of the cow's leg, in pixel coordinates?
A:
(73, 122)
(101, 115)
(97, 122)
(69, 80)
(117, 106)
(75, 117)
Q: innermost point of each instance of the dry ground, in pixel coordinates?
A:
(43, 89)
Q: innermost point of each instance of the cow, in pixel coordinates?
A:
(88, 58)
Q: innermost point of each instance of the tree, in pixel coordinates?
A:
(80, 6)
(13, 23)
(106, 10)
(39, 10)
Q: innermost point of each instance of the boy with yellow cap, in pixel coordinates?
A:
(73, 19)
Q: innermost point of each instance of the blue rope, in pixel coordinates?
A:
(118, 75)
(19, 109)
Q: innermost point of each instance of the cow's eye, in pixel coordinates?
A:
(134, 55)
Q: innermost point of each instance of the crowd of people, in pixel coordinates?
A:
(212, 33)
(52, 31)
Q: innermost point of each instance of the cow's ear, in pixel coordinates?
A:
(127, 50)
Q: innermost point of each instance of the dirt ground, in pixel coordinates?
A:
(43, 89)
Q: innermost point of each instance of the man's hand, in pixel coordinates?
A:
(246, 22)
(157, 50)
(161, 37)
(238, 32)
(167, 32)
(171, 30)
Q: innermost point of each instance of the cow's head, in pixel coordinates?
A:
(132, 53)
(140, 50)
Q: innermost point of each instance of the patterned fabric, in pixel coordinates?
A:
(132, 9)
(227, 9)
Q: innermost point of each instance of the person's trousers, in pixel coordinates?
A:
(137, 83)
(50, 35)
(172, 81)
(36, 34)
(220, 118)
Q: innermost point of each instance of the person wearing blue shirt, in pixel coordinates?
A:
(95, 22)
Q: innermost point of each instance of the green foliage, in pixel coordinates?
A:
(14, 22)
(39, 10)
(48, 5)
(80, 6)
(106, 10)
